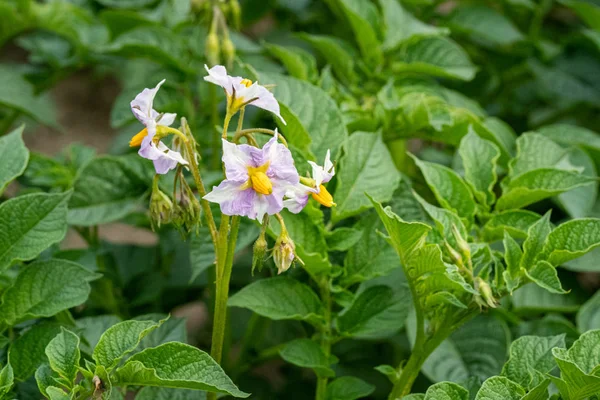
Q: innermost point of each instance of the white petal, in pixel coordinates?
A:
(167, 119)
(237, 159)
(172, 154)
(218, 76)
(141, 106)
(264, 99)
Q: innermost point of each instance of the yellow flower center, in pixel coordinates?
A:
(259, 181)
(136, 140)
(246, 82)
(324, 197)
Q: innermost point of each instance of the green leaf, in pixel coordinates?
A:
(376, 312)
(63, 355)
(478, 349)
(44, 288)
(366, 167)
(530, 356)
(106, 190)
(348, 388)
(544, 275)
(449, 189)
(337, 53)
(571, 135)
(435, 56)
(500, 388)
(364, 21)
(585, 352)
(299, 63)
(535, 151)
(579, 202)
(343, 239)
(444, 221)
(45, 377)
(132, 4)
(18, 94)
(536, 237)
(588, 11)
(55, 393)
(588, 316)
(572, 239)
(532, 298)
(121, 339)
(279, 298)
(540, 392)
(539, 184)
(512, 256)
(90, 330)
(7, 379)
(314, 121)
(32, 222)
(27, 353)
(480, 158)
(402, 26)
(446, 391)
(176, 365)
(515, 222)
(307, 354)
(170, 330)
(160, 393)
(574, 383)
(13, 156)
(485, 24)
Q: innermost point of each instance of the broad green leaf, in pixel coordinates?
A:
(530, 356)
(314, 121)
(371, 256)
(435, 56)
(402, 26)
(414, 396)
(478, 348)
(579, 202)
(405, 204)
(376, 312)
(512, 258)
(444, 221)
(480, 158)
(366, 167)
(449, 189)
(299, 63)
(170, 330)
(588, 316)
(585, 352)
(45, 377)
(63, 355)
(572, 239)
(160, 393)
(121, 339)
(515, 222)
(544, 275)
(446, 391)
(337, 53)
(501, 134)
(106, 190)
(364, 19)
(500, 388)
(572, 135)
(423, 111)
(90, 330)
(348, 388)
(533, 299)
(307, 353)
(55, 393)
(535, 151)
(534, 243)
(18, 94)
(31, 223)
(176, 365)
(539, 184)
(279, 298)
(13, 156)
(485, 24)
(7, 380)
(574, 383)
(44, 288)
(27, 352)
(132, 4)
(343, 239)
(587, 10)
(540, 392)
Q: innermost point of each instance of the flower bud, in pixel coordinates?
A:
(259, 252)
(236, 14)
(161, 208)
(212, 49)
(228, 52)
(454, 255)
(485, 291)
(462, 244)
(284, 252)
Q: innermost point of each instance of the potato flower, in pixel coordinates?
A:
(151, 147)
(256, 179)
(297, 196)
(241, 92)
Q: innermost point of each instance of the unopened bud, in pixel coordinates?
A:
(161, 208)
(485, 291)
(212, 49)
(284, 252)
(228, 52)
(259, 252)
(454, 255)
(188, 209)
(236, 14)
(462, 244)
(199, 5)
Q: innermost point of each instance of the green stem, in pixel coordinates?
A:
(226, 125)
(245, 132)
(222, 288)
(325, 336)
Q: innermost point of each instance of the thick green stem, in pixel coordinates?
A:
(325, 336)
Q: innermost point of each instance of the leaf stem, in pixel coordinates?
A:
(245, 132)
(325, 335)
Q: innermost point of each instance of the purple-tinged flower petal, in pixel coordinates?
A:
(141, 106)
(218, 76)
(281, 161)
(296, 197)
(322, 174)
(237, 159)
(164, 158)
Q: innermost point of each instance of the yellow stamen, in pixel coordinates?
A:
(137, 139)
(324, 197)
(259, 180)
(246, 82)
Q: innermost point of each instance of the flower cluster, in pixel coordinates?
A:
(258, 181)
